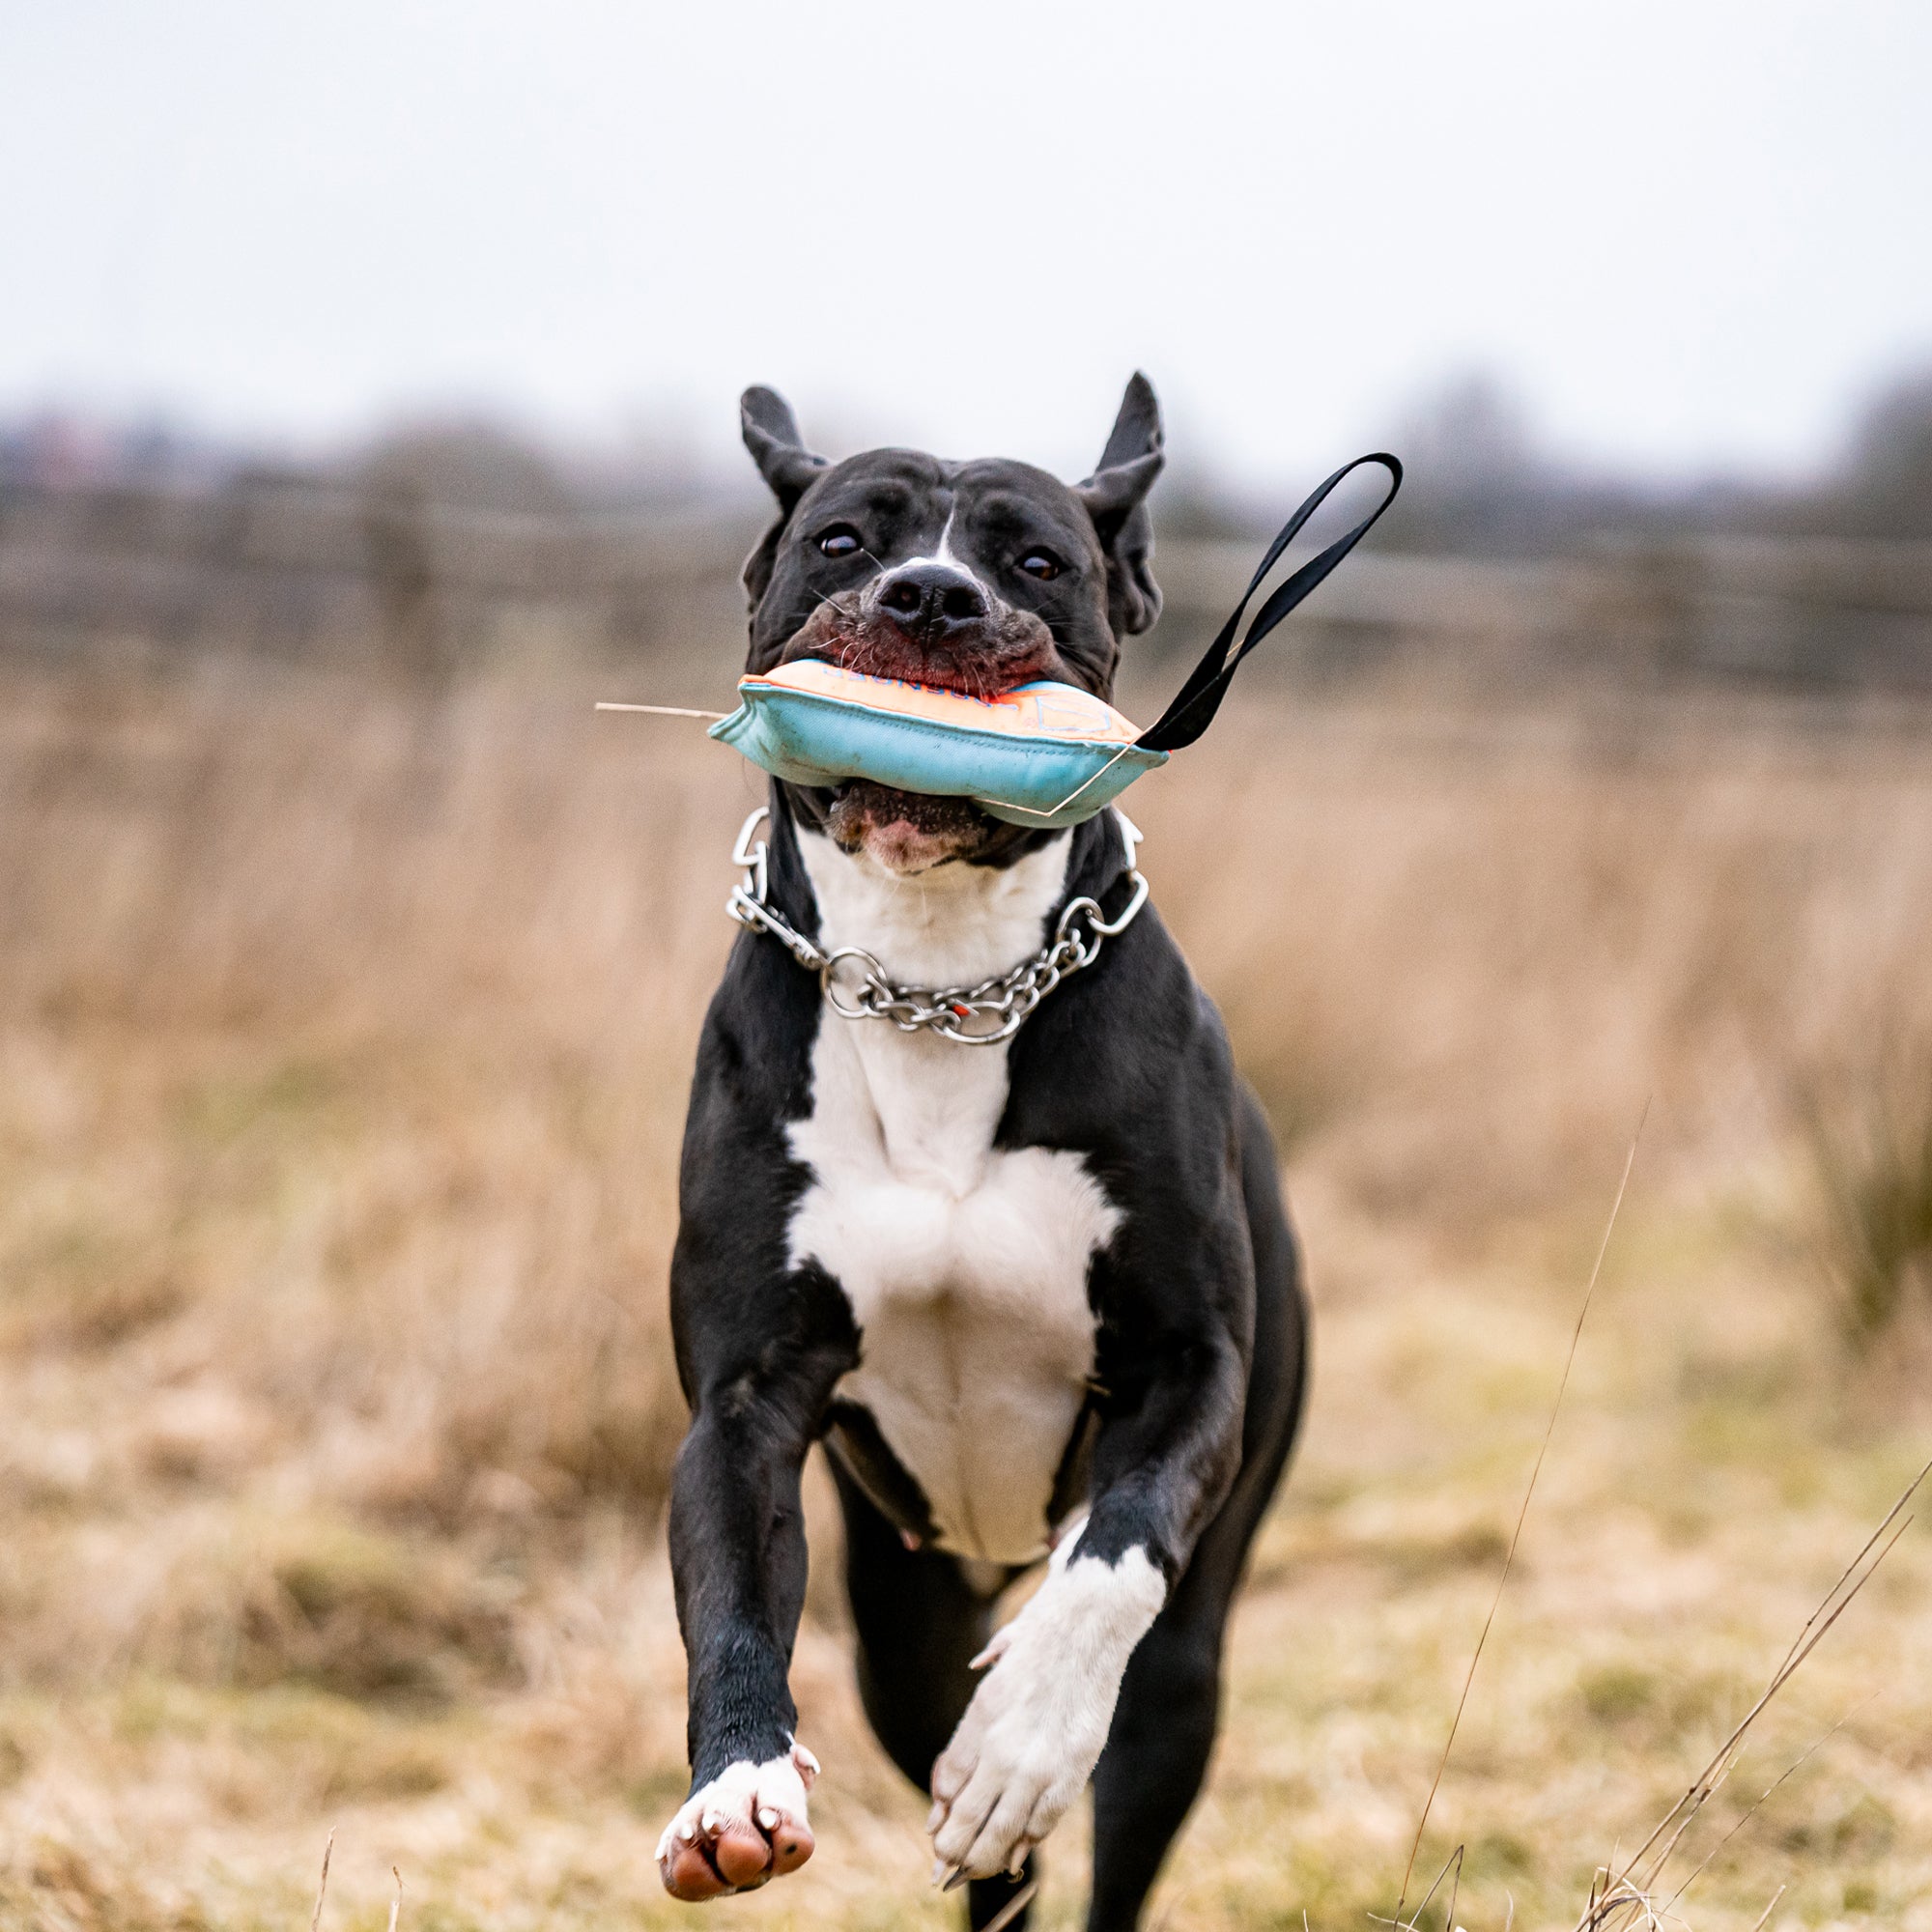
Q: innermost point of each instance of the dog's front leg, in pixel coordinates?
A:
(738, 1558)
(1037, 1726)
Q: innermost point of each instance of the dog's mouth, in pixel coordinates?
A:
(908, 832)
(996, 656)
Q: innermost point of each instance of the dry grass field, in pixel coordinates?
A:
(342, 1060)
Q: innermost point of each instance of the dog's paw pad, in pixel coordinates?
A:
(745, 1827)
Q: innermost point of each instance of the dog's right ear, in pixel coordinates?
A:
(772, 436)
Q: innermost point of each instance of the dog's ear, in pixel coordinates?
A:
(1116, 498)
(772, 436)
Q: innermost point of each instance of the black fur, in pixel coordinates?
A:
(1200, 1351)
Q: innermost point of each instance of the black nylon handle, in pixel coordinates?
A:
(1198, 699)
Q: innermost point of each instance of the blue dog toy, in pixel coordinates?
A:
(1045, 754)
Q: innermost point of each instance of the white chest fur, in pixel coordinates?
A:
(966, 1265)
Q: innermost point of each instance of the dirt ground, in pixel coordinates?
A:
(342, 1056)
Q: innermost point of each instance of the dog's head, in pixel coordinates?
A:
(972, 577)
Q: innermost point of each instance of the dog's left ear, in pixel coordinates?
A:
(772, 436)
(1116, 498)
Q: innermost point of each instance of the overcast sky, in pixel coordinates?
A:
(1690, 233)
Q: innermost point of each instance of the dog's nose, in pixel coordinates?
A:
(931, 601)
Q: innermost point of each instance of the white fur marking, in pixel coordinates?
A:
(770, 1793)
(965, 1266)
(1036, 1727)
(945, 554)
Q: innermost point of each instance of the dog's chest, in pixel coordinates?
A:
(965, 1265)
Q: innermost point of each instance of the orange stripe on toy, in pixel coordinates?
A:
(1043, 710)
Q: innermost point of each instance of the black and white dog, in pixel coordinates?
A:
(1033, 1296)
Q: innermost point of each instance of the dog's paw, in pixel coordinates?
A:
(745, 1827)
(1036, 1727)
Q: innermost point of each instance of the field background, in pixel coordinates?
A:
(367, 383)
(343, 1037)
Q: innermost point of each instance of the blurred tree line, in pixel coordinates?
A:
(1481, 484)
(1481, 481)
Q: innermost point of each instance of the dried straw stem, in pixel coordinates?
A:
(1521, 1515)
(660, 710)
(322, 1889)
(1627, 1899)
(1007, 1913)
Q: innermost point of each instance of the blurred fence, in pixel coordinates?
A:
(304, 572)
(295, 570)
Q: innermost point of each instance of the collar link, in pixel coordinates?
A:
(855, 984)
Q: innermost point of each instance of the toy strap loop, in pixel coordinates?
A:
(1194, 704)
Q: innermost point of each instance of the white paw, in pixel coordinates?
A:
(1036, 1727)
(746, 1827)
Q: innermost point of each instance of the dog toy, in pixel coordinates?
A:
(1045, 754)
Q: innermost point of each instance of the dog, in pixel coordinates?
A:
(1039, 1298)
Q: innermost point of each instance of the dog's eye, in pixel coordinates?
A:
(840, 540)
(1043, 564)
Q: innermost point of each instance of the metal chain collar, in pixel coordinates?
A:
(865, 993)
